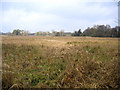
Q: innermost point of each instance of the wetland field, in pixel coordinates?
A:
(60, 62)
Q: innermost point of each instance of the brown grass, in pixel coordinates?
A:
(60, 62)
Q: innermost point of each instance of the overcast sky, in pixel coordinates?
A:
(48, 15)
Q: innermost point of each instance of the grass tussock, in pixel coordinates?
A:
(57, 62)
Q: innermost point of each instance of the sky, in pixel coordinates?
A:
(48, 15)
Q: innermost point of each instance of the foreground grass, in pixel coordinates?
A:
(60, 62)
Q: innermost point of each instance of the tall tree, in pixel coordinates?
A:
(77, 33)
(54, 32)
(25, 33)
(17, 32)
(62, 33)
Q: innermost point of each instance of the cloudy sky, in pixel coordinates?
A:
(48, 15)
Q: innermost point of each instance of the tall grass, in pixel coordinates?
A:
(57, 62)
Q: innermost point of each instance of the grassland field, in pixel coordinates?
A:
(60, 62)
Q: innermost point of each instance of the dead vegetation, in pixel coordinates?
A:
(60, 62)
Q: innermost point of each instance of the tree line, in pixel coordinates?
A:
(18, 32)
(102, 31)
(95, 31)
(99, 31)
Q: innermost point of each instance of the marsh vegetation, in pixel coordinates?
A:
(59, 62)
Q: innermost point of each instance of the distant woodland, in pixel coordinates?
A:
(95, 31)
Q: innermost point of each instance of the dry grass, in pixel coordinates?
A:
(60, 62)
